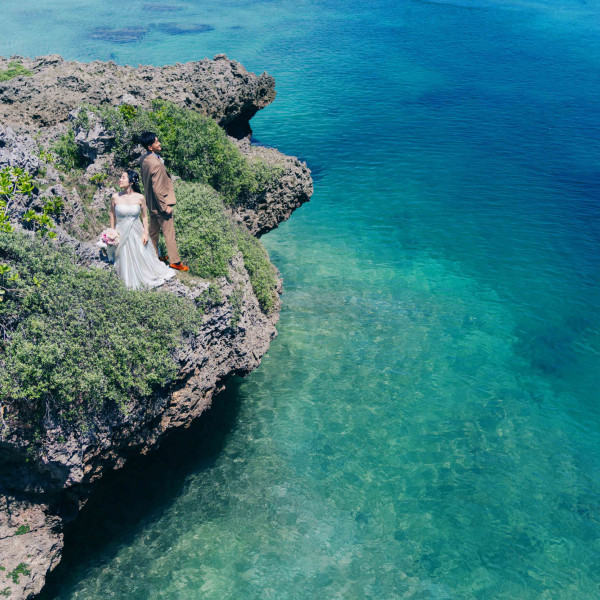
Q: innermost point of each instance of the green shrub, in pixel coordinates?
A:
(12, 181)
(194, 147)
(207, 241)
(129, 112)
(210, 297)
(67, 152)
(20, 569)
(197, 149)
(260, 269)
(205, 235)
(79, 342)
(98, 178)
(14, 69)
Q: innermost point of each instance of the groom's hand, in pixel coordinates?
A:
(168, 210)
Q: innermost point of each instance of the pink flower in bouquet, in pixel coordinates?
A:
(110, 237)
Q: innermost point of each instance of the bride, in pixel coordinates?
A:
(135, 259)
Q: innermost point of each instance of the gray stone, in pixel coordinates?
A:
(93, 141)
(220, 88)
(18, 151)
(288, 191)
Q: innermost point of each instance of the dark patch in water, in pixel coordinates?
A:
(123, 35)
(161, 7)
(317, 172)
(440, 99)
(178, 29)
(453, 5)
(552, 351)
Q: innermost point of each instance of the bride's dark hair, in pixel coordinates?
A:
(134, 180)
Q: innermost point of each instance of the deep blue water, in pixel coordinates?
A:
(427, 424)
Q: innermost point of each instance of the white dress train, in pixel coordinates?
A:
(137, 265)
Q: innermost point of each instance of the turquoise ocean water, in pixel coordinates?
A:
(427, 423)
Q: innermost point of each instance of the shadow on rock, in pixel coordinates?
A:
(129, 499)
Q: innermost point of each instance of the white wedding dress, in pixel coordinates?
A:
(137, 265)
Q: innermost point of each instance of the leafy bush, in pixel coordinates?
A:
(209, 298)
(207, 240)
(197, 149)
(194, 147)
(67, 153)
(99, 178)
(79, 342)
(12, 181)
(129, 112)
(205, 235)
(20, 569)
(260, 269)
(14, 69)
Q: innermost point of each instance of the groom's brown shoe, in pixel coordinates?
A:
(179, 266)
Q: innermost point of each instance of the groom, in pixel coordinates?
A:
(160, 198)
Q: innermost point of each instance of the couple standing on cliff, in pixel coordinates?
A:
(137, 263)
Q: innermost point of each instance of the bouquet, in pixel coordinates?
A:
(109, 240)
(109, 237)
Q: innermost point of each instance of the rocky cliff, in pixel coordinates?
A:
(44, 482)
(220, 88)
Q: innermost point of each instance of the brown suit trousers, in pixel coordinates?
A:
(159, 192)
(163, 222)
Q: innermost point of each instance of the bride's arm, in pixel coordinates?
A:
(111, 213)
(144, 214)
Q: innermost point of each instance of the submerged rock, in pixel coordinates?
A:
(123, 35)
(183, 29)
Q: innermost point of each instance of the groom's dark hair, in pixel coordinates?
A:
(147, 138)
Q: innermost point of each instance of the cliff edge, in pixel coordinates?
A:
(68, 129)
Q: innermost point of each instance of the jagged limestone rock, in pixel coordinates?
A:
(220, 88)
(48, 491)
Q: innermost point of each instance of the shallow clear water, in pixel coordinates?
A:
(427, 423)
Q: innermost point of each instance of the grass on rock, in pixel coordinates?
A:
(14, 69)
(79, 342)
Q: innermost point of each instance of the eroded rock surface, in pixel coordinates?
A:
(290, 189)
(220, 88)
(31, 540)
(18, 150)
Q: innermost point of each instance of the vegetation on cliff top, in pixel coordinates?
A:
(75, 341)
(194, 147)
(208, 239)
(205, 234)
(216, 175)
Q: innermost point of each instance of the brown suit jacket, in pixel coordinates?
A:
(158, 185)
